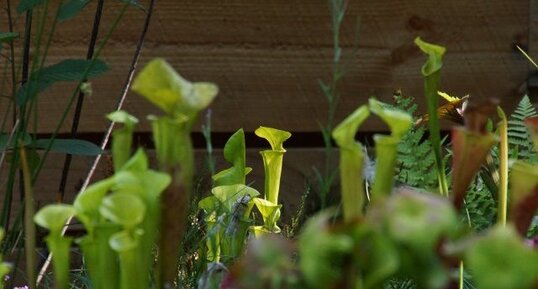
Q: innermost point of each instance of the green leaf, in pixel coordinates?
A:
(159, 83)
(274, 136)
(29, 90)
(209, 204)
(234, 153)
(70, 146)
(137, 163)
(54, 216)
(71, 9)
(26, 140)
(398, 121)
(26, 5)
(134, 3)
(501, 260)
(71, 70)
(125, 209)
(229, 195)
(6, 37)
(66, 70)
(87, 202)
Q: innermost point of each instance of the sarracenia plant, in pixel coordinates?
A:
(431, 71)
(121, 215)
(352, 158)
(181, 100)
(272, 163)
(351, 163)
(227, 210)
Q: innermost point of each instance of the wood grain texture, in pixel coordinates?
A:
(267, 56)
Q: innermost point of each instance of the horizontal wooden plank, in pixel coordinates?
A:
(281, 87)
(267, 56)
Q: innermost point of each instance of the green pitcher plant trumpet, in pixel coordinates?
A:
(272, 164)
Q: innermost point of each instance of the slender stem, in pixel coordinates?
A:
(75, 92)
(80, 101)
(29, 228)
(12, 53)
(503, 168)
(13, 166)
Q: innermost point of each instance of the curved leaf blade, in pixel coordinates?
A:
(70, 146)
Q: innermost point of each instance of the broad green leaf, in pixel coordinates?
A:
(398, 121)
(234, 153)
(125, 209)
(29, 90)
(137, 163)
(274, 136)
(25, 5)
(501, 260)
(72, 69)
(209, 204)
(229, 195)
(70, 146)
(71, 9)
(159, 83)
(435, 55)
(4, 138)
(234, 149)
(87, 202)
(66, 70)
(54, 216)
(8, 36)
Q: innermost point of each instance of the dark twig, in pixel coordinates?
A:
(80, 100)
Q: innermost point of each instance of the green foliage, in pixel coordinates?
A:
(26, 5)
(519, 141)
(416, 160)
(66, 70)
(480, 205)
(71, 9)
(70, 146)
(518, 266)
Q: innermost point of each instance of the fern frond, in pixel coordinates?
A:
(519, 142)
